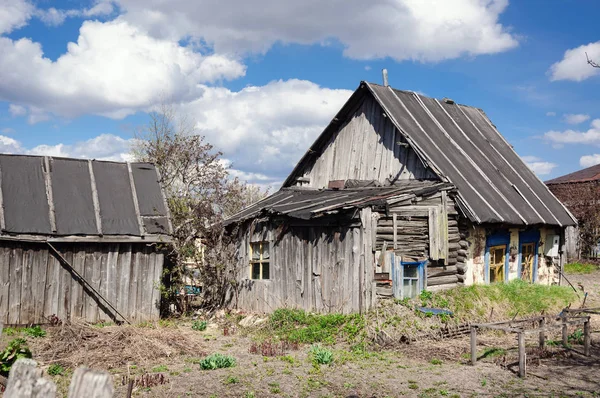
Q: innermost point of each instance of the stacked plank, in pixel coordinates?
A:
(412, 236)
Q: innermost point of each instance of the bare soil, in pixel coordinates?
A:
(425, 368)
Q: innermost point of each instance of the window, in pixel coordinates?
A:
(408, 278)
(259, 260)
(411, 286)
(497, 260)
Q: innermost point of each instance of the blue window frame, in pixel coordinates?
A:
(408, 278)
(496, 244)
(526, 240)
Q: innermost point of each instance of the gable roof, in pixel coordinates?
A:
(307, 203)
(462, 146)
(585, 175)
(60, 196)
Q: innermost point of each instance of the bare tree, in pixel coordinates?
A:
(200, 196)
(591, 62)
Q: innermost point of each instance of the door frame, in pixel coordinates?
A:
(497, 239)
(526, 237)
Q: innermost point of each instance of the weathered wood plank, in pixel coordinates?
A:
(16, 275)
(25, 381)
(77, 291)
(5, 253)
(27, 315)
(40, 261)
(91, 384)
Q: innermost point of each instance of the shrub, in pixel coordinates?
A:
(35, 331)
(217, 361)
(199, 325)
(55, 370)
(320, 355)
(16, 349)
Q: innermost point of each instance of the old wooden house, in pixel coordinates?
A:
(79, 240)
(399, 193)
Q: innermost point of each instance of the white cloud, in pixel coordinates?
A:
(539, 166)
(574, 64)
(456, 28)
(589, 137)
(575, 118)
(114, 69)
(550, 114)
(102, 147)
(17, 110)
(14, 14)
(265, 129)
(589, 160)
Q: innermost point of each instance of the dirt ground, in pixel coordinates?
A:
(420, 369)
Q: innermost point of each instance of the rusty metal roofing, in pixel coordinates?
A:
(42, 195)
(462, 146)
(305, 203)
(585, 175)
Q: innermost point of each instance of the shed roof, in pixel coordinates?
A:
(307, 203)
(462, 146)
(53, 196)
(585, 175)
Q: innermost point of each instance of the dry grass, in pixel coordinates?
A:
(114, 346)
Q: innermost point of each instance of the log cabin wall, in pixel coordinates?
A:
(412, 229)
(316, 268)
(366, 147)
(34, 285)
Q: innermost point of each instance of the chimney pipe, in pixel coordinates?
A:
(385, 77)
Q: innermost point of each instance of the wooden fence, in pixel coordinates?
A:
(25, 381)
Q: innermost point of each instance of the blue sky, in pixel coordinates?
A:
(261, 79)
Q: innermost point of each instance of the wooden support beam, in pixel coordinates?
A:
(49, 194)
(565, 335)
(2, 222)
(95, 200)
(395, 231)
(136, 204)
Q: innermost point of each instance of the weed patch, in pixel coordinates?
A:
(35, 331)
(56, 370)
(16, 349)
(320, 355)
(199, 325)
(580, 268)
(297, 326)
(217, 361)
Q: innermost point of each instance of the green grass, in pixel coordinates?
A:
(199, 325)
(35, 331)
(507, 299)
(580, 268)
(56, 370)
(298, 326)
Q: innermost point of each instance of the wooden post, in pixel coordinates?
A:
(586, 338)
(25, 381)
(565, 332)
(395, 232)
(473, 345)
(91, 384)
(542, 333)
(522, 355)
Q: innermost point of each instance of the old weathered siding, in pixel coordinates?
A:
(34, 285)
(322, 269)
(410, 229)
(366, 147)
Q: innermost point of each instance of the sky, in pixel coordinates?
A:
(261, 79)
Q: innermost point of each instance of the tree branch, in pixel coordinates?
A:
(591, 62)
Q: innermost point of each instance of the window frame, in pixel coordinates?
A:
(498, 239)
(261, 261)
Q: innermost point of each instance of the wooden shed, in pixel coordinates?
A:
(400, 193)
(80, 239)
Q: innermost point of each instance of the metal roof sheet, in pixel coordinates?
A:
(585, 175)
(464, 147)
(60, 196)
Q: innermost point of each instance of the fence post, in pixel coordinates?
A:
(542, 332)
(91, 384)
(25, 381)
(586, 337)
(473, 345)
(522, 355)
(565, 333)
